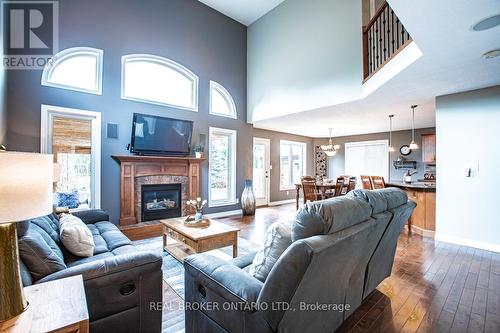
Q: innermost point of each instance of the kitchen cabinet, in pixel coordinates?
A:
(429, 148)
(423, 218)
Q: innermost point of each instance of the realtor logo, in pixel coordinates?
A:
(29, 33)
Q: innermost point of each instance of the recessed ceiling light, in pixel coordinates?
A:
(491, 54)
(487, 23)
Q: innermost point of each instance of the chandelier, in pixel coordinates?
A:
(330, 149)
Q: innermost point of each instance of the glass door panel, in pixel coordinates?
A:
(261, 171)
(72, 149)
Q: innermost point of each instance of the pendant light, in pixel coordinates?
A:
(390, 149)
(330, 149)
(413, 145)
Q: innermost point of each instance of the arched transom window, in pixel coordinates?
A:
(76, 68)
(221, 102)
(152, 79)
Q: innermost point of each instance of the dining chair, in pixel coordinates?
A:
(377, 182)
(366, 182)
(309, 189)
(343, 185)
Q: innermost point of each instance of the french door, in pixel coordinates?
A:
(261, 168)
(74, 138)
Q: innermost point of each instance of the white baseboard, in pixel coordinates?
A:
(467, 242)
(281, 202)
(225, 214)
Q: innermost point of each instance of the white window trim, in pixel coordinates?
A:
(304, 162)
(233, 200)
(223, 91)
(68, 53)
(166, 62)
(370, 143)
(48, 112)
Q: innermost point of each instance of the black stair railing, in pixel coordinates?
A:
(383, 38)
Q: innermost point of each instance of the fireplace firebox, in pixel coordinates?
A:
(161, 201)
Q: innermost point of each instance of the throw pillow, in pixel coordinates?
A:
(69, 200)
(278, 239)
(38, 251)
(76, 236)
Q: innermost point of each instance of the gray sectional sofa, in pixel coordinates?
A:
(120, 281)
(342, 249)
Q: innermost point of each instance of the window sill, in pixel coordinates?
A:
(222, 204)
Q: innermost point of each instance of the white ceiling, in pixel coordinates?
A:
(451, 62)
(243, 11)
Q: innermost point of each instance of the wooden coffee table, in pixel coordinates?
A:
(196, 240)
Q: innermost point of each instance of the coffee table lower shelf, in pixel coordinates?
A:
(181, 241)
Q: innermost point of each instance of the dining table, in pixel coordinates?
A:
(321, 186)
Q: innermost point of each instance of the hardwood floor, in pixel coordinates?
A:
(434, 287)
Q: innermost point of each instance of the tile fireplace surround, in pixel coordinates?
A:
(138, 170)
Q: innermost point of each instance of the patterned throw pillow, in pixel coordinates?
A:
(278, 239)
(69, 200)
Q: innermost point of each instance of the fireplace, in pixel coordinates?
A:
(161, 201)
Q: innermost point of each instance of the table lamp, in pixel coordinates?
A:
(25, 193)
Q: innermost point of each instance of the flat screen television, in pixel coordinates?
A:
(153, 135)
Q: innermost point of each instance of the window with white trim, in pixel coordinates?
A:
(76, 68)
(153, 79)
(367, 158)
(222, 167)
(292, 163)
(221, 102)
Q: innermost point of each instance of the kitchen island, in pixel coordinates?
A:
(423, 219)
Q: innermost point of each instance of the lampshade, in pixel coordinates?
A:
(26, 186)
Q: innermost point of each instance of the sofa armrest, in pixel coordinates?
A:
(104, 267)
(227, 280)
(244, 260)
(92, 216)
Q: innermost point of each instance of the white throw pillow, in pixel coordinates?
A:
(76, 236)
(278, 239)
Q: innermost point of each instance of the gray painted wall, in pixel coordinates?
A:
(399, 138)
(304, 55)
(468, 132)
(210, 44)
(275, 137)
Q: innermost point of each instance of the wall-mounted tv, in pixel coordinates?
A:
(153, 135)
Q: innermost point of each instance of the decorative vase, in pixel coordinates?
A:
(198, 154)
(248, 199)
(198, 216)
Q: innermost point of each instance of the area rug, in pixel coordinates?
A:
(173, 270)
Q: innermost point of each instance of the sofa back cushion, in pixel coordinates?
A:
(50, 225)
(38, 251)
(329, 216)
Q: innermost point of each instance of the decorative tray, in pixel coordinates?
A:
(190, 222)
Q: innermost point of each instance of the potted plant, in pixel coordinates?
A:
(198, 205)
(198, 150)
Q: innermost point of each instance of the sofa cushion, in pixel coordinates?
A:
(109, 241)
(307, 224)
(278, 239)
(50, 225)
(329, 216)
(39, 252)
(76, 236)
(376, 200)
(395, 197)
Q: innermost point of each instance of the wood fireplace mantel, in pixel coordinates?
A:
(132, 166)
